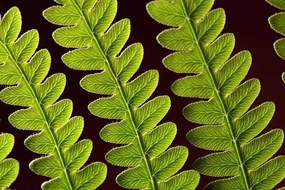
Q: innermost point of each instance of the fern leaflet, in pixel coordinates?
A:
(9, 168)
(98, 45)
(227, 125)
(277, 23)
(58, 133)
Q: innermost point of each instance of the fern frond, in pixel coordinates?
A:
(277, 23)
(9, 168)
(144, 145)
(22, 72)
(228, 128)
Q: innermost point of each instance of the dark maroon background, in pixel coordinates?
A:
(247, 19)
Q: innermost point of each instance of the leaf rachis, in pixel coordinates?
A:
(121, 93)
(244, 172)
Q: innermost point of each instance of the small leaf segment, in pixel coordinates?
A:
(277, 23)
(9, 168)
(228, 128)
(144, 145)
(23, 77)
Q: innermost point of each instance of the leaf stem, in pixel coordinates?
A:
(43, 113)
(228, 122)
(146, 159)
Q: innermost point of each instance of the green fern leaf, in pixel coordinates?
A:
(277, 23)
(144, 142)
(24, 71)
(277, 3)
(9, 168)
(228, 127)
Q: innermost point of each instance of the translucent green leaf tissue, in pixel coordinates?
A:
(241, 153)
(277, 23)
(23, 72)
(87, 27)
(242, 156)
(9, 167)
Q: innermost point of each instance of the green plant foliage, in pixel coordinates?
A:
(241, 157)
(277, 23)
(143, 145)
(22, 72)
(277, 3)
(9, 168)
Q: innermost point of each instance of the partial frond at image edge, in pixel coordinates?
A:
(277, 23)
(228, 124)
(9, 167)
(23, 75)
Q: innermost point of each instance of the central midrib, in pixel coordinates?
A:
(236, 146)
(123, 96)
